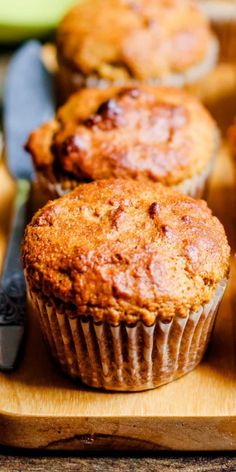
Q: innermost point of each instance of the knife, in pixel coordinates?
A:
(28, 101)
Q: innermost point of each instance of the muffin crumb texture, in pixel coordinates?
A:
(145, 133)
(133, 39)
(121, 251)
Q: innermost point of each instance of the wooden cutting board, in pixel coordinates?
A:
(41, 408)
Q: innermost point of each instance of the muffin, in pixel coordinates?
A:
(126, 281)
(103, 42)
(141, 132)
(222, 15)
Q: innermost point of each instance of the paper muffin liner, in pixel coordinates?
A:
(195, 186)
(127, 358)
(69, 81)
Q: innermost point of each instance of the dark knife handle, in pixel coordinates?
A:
(13, 290)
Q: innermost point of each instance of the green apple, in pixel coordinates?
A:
(21, 19)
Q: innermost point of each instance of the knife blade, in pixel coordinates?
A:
(28, 101)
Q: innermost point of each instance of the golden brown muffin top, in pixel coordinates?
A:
(119, 250)
(142, 39)
(143, 132)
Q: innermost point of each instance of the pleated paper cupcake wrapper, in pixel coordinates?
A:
(127, 358)
(70, 81)
(195, 187)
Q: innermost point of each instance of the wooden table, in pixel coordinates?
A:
(29, 462)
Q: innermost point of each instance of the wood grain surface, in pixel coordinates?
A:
(116, 463)
(40, 408)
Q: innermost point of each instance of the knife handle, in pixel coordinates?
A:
(13, 290)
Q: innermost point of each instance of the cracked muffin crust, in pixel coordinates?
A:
(122, 40)
(142, 132)
(120, 251)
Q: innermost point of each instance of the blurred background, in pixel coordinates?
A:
(24, 19)
(21, 19)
